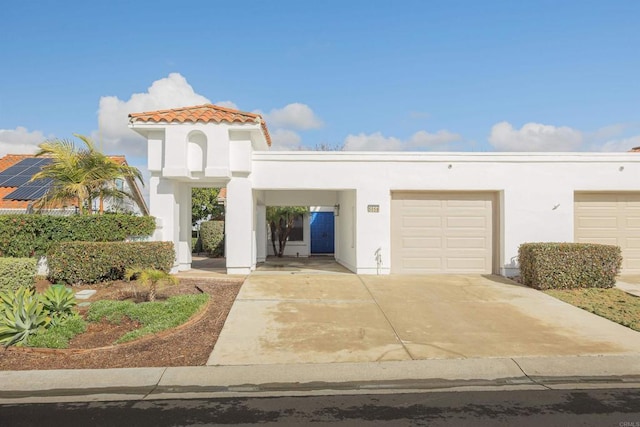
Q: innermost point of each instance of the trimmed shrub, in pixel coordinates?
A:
(196, 245)
(212, 235)
(27, 235)
(92, 262)
(17, 272)
(569, 265)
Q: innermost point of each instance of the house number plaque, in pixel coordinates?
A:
(373, 208)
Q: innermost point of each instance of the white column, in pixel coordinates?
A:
(184, 227)
(239, 226)
(163, 206)
(261, 233)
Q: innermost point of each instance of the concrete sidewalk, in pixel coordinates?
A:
(320, 379)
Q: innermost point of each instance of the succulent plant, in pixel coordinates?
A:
(21, 314)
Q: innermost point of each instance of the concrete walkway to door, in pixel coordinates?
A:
(303, 318)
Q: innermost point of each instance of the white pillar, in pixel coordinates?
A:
(239, 226)
(163, 205)
(261, 233)
(184, 226)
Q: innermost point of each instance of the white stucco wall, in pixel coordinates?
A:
(535, 190)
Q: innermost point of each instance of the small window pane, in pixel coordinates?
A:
(297, 233)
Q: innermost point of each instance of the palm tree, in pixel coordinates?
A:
(81, 174)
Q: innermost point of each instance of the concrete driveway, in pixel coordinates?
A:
(300, 318)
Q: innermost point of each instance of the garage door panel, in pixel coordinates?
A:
(632, 243)
(420, 222)
(421, 204)
(419, 243)
(599, 222)
(467, 222)
(611, 219)
(467, 243)
(471, 265)
(433, 264)
(466, 203)
(598, 240)
(441, 232)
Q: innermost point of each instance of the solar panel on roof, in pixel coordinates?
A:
(39, 193)
(13, 170)
(20, 173)
(30, 161)
(22, 193)
(16, 181)
(31, 191)
(34, 161)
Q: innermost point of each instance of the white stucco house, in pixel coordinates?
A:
(393, 212)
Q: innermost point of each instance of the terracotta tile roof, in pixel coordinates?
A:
(206, 113)
(11, 159)
(5, 163)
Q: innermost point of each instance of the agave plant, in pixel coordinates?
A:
(21, 314)
(59, 302)
(152, 278)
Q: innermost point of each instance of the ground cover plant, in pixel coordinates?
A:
(613, 304)
(153, 316)
(200, 306)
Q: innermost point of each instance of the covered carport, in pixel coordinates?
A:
(339, 204)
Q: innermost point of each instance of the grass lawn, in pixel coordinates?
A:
(613, 304)
(153, 316)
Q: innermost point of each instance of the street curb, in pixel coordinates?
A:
(541, 373)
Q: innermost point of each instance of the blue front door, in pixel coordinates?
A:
(322, 233)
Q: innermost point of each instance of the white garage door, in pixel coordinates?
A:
(434, 232)
(611, 219)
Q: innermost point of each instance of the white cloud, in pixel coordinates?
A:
(20, 141)
(292, 116)
(625, 144)
(425, 140)
(372, 142)
(534, 137)
(228, 104)
(285, 139)
(170, 92)
(607, 132)
(421, 140)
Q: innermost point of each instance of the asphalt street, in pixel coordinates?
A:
(601, 407)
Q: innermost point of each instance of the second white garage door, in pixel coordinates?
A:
(610, 219)
(437, 232)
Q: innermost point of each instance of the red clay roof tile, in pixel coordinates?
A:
(206, 113)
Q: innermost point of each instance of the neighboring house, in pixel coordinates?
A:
(394, 212)
(18, 194)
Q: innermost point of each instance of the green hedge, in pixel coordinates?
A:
(212, 236)
(27, 235)
(569, 265)
(17, 272)
(88, 262)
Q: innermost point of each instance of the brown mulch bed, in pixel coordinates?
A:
(187, 345)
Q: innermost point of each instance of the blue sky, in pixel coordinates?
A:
(370, 75)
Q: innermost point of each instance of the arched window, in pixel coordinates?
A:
(196, 151)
